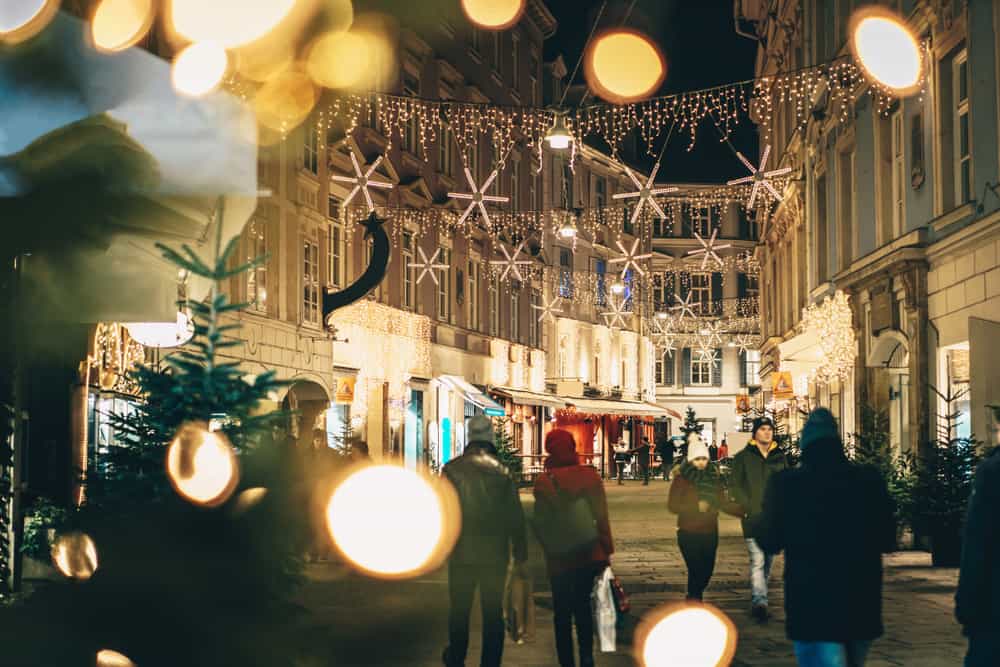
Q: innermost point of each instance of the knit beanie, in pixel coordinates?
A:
(820, 426)
(561, 449)
(696, 448)
(757, 423)
(479, 429)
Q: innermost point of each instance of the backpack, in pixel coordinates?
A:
(565, 526)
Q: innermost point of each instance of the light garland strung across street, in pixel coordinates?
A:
(429, 266)
(759, 176)
(832, 324)
(709, 248)
(511, 263)
(645, 193)
(362, 181)
(478, 196)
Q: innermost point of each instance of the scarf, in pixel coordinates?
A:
(706, 482)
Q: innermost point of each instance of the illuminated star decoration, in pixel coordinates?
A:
(686, 306)
(429, 266)
(618, 313)
(708, 249)
(630, 258)
(713, 334)
(510, 262)
(548, 309)
(666, 343)
(743, 343)
(759, 177)
(362, 181)
(707, 354)
(478, 196)
(645, 193)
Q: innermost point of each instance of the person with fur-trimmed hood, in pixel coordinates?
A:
(696, 496)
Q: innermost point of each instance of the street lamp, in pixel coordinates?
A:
(559, 137)
(568, 229)
(886, 50)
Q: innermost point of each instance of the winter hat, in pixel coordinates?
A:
(561, 449)
(757, 423)
(479, 429)
(696, 448)
(820, 426)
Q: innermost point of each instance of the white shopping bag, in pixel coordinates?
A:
(602, 601)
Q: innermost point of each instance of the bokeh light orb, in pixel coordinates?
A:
(689, 634)
(202, 465)
(624, 66)
(108, 658)
(339, 59)
(118, 24)
(886, 49)
(229, 23)
(21, 20)
(247, 499)
(198, 69)
(393, 523)
(285, 101)
(494, 14)
(74, 554)
(162, 334)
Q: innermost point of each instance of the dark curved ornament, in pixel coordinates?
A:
(373, 275)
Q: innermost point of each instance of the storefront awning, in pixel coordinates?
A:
(473, 395)
(522, 397)
(600, 406)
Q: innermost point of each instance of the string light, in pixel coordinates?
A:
(759, 176)
(831, 323)
(645, 193)
(478, 196)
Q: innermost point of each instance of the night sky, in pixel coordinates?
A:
(702, 50)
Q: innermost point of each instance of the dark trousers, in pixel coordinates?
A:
(698, 550)
(645, 474)
(462, 583)
(621, 471)
(571, 602)
(984, 649)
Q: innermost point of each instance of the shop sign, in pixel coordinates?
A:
(345, 391)
(743, 404)
(782, 386)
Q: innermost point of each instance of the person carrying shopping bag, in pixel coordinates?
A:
(696, 496)
(571, 513)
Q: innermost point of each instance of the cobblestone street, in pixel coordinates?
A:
(369, 623)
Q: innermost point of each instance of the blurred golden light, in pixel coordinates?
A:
(108, 658)
(886, 49)
(75, 555)
(393, 523)
(248, 498)
(624, 66)
(339, 59)
(118, 24)
(198, 69)
(23, 19)
(285, 101)
(338, 15)
(689, 634)
(202, 466)
(162, 334)
(559, 137)
(494, 14)
(379, 32)
(229, 23)
(262, 65)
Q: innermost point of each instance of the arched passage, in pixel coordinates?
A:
(307, 400)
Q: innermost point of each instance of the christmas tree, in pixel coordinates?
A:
(508, 452)
(691, 425)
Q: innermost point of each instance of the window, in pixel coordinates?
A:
(566, 185)
(534, 326)
(819, 31)
(476, 40)
(497, 63)
(338, 246)
(600, 267)
(533, 190)
(515, 73)
(444, 287)
(962, 130)
(256, 244)
(700, 292)
(310, 282)
(822, 235)
(515, 315)
(843, 18)
(600, 197)
(411, 88)
(473, 295)
(310, 149)
(474, 158)
(701, 369)
(898, 175)
(495, 308)
(665, 369)
(751, 368)
(409, 283)
(701, 221)
(845, 177)
(515, 181)
(533, 77)
(445, 165)
(565, 273)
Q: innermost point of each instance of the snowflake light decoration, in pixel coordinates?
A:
(666, 343)
(548, 309)
(511, 262)
(362, 180)
(645, 193)
(686, 306)
(478, 196)
(631, 258)
(708, 249)
(742, 343)
(429, 266)
(618, 313)
(712, 334)
(759, 177)
(707, 354)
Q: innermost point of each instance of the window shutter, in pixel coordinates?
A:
(741, 285)
(686, 368)
(717, 369)
(743, 369)
(685, 287)
(717, 293)
(669, 377)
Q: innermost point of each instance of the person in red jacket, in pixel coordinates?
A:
(572, 577)
(696, 496)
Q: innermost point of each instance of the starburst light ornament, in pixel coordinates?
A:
(743, 343)
(511, 262)
(362, 181)
(666, 343)
(478, 196)
(759, 177)
(713, 334)
(631, 258)
(708, 249)
(548, 309)
(686, 306)
(618, 313)
(429, 267)
(645, 193)
(706, 353)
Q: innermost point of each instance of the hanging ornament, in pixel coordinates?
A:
(706, 353)
(478, 196)
(630, 258)
(618, 313)
(712, 333)
(742, 343)
(686, 306)
(645, 193)
(708, 249)
(362, 181)
(759, 177)
(510, 262)
(548, 309)
(429, 266)
(666, 343)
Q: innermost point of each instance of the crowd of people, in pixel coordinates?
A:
(832, 519)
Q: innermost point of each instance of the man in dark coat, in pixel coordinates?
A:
(751, 470)
(642, 459)
(833, 519)
(977, 601)
(492, 531)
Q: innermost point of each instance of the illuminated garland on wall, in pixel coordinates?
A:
(832, 324)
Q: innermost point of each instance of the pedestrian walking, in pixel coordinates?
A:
(833, 519)
(642, 459)
(751, 470)
(572, 575)
(977, 601)
(492, 532)
(724, 451)
(665, 449)
(621, 459)
(696, 496)
(713, 452)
